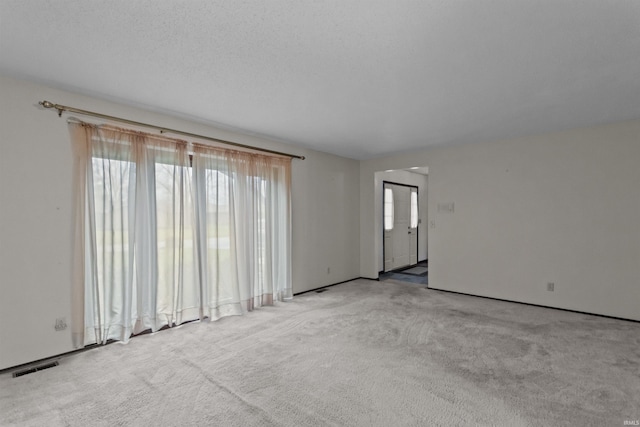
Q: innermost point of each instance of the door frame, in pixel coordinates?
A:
(417, 228)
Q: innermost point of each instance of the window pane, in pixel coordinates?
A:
(388, 209)
(218, 234)
(175, 240)
(414, 209)
(113, 194)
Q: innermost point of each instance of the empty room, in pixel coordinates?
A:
(301, 213)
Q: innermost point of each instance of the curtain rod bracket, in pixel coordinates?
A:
(63, 108)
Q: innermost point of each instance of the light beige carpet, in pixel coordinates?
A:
(362, 353)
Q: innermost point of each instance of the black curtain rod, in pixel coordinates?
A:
(63, 108)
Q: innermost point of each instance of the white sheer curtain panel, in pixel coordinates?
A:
(243, 213)
(165, 236)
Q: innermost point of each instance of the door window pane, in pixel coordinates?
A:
(414, 209)
(388, 209)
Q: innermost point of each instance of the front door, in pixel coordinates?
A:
(413, 226)
(400, 226)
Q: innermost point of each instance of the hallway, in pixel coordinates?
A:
(417, 274)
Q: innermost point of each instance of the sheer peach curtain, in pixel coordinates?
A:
(168, 232)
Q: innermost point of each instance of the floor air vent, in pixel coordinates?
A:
(34, 369)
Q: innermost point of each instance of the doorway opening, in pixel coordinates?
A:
(406, 193)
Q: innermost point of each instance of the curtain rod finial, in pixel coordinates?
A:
(47, 104)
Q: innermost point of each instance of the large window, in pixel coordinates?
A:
(172, 232)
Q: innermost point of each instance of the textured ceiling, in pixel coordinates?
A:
(355, 78)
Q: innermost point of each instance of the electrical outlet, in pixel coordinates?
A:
(550, 286)
(61, 324)
(328, 270)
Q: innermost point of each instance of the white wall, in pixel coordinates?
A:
(407, 178)
(36, 201)
(561, 207)
(326, 201)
